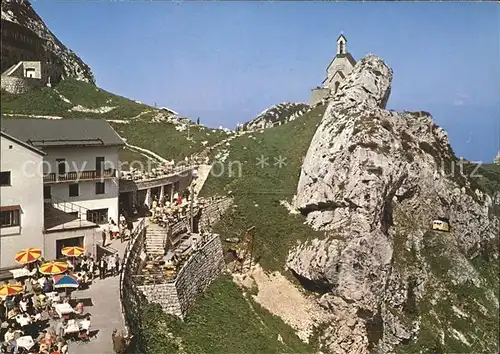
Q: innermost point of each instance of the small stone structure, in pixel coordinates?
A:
(27, 75)
(204, 266)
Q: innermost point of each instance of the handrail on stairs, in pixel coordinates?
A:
(82, 213)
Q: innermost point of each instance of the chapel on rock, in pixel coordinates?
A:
(336, 72)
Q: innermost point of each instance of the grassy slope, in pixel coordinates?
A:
(487, 176)
(436, 307)
(46, 101)
(223, 321)
(163, 139)
(276, 231)
(129, 158)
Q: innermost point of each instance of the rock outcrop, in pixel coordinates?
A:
(375, 180)
(22, 13)
(276, 115)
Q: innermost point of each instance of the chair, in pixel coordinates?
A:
(83, 336)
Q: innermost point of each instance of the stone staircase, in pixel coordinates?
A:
(203, 173)
(156, 237)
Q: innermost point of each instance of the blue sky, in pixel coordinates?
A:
(227, 61)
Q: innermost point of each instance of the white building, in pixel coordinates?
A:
(21, 194)
(336, 72)
(80, 177)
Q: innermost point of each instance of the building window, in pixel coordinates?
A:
(61, 166)
(47, 192)
(73, 190)
(99, 188)
(9, 218)
(5, 178)
(98, 216)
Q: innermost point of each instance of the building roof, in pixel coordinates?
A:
(342, 36)
(62, 132)
(341, 74)
(19, 142)
(348, 56)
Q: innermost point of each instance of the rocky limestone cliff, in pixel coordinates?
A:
(22, 13)
(375, 180)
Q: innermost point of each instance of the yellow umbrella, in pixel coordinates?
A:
(10, 289)
(53, 268)
(73, 251)
(28, 255)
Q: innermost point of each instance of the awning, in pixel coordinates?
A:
(10, 207)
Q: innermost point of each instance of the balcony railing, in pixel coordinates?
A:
(78, 176)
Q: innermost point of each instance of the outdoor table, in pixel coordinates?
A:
(73, 328)
(21, 272)
(23, 321)
(25, 342)
(63, 309)
(51, 294)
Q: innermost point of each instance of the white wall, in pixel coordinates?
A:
(87, 197)
(83, 159)
(91, 236)
(26, 190)
(80, 159)
(339, 64)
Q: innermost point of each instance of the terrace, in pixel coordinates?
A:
(79, 176)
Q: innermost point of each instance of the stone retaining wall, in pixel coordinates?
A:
(212, 213)
(18, 85)
(164, 294)
(198, 273)
(203, 267)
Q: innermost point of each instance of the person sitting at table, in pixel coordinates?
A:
(62, 347)
(79, 308)
(9, 303)
(10, 341)
(47, 288)
(23, 304)
(13, 313)
(28, 286)
(37, 315)
(44, 348)
(70, 265)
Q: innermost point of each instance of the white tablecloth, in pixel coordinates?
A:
(23, 321)
(72, 329)
(25, 342)
(22, 272)
(63, 309)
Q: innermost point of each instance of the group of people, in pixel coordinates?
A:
(36, 311)
(30, 322)
(163, 211)
(109, 264)
(121, 231)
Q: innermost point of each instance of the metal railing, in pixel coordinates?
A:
(131, 298)
(160, 174)
(63, 212)
(79, 176)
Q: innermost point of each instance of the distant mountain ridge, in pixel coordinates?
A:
(21, 12)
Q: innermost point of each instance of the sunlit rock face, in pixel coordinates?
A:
(375, 180)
